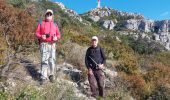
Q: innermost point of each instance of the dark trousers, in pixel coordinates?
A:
(97, 83)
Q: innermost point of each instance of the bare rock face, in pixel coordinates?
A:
(148, 25)
(106, 12)
(162, 26)
(108, 24)
(143, 25)
(131, 15)
(163, 38)
(160, 29)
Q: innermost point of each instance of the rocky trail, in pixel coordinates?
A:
(27, 73)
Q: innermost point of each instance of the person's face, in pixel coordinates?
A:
(94, 42)
(49, 16)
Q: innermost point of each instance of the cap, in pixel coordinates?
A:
(95, 38)
(49, 10)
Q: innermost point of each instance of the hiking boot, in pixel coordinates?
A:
(51, 77)
(42, 81)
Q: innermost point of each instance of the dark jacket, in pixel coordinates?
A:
(97, 55)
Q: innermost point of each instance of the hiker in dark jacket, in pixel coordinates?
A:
(95, 60)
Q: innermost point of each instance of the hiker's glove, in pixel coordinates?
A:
(101, 66)
(55, 38)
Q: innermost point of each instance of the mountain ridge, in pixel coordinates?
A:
(109, 18)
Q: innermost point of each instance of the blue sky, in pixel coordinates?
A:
(151, 9)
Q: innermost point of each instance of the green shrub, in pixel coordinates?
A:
(163, 57)
(117, 95)
(60, 90)
(124, 55)
(161, 93)
(81, 39)
(18, 3)
(143, 46)
(158, 77)
(28, 93)
(137, 86)
(4, 96)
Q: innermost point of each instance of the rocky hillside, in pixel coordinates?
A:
(137, 66)
(111, 19)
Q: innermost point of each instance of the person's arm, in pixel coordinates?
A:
(86, 59)
(103, 56)
(101, 66)
(38, 30)
(90, 72)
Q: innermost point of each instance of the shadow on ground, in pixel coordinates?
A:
(31, 68)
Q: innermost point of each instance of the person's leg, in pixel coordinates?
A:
(93, 85)
(52, 62)
(100, 82)
(44, 60)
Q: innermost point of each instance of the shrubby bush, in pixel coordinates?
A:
(163, 57)
(144, 46)
(3, 49)
(4, 96)
(124, 54)
(162, 92)
(54, 91)
(136, 85)
(18, 3)
(157, 77)
(17, 25)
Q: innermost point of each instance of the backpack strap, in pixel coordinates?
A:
(101, 51)
(40, 21)
(102, 54)
(55, 23)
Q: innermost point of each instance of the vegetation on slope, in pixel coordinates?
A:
(145, 74)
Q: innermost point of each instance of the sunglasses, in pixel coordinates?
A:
(48, 14)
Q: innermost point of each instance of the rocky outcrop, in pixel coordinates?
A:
(130, 15)
(94, 18)
(163, 38)
(106, 11)
(148, 25)
(101, 12)
(70, 12)
(74, 15)
(162, 26)
(108, 24)
(143, 25)
(160, 29)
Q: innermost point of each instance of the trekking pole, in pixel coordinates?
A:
(95, 63)
(105, 71)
